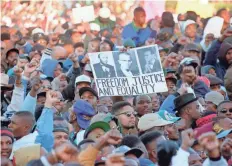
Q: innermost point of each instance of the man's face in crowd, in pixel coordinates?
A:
(191, 30)
(127, 117)
(19, 126)
(58, 70)
(90, 98)
(229, 56)
(149, 57)
(210, 106)
(172, 131)
(171, 86)
(212, 72)
(76, 37)
(6, 146)
(155, 103)
(93, 46)
(22, 62)
(105, 47)
(143, 105)
(151, 148)
(195, 160)
(103, 58)
(107, 101)
(194, 110)
(42, 42)
(200, 151)
(59, 105)
(188, 74)
(225, 110)
(96, 134)
(12, 59)
(60, 138)
(41, 100)
(140, 18)
(225, 15)
(125, 61)
(80, 51)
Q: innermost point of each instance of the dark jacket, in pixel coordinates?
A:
(216, 56)
(104, 74)
(121, 74)
(69, 92)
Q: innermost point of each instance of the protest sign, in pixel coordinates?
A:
(83, 14)
(135, 72)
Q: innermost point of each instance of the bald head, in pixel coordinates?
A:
(58, 52)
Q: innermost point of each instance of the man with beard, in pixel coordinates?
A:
(11, 58)
(126, 116)
(103, 69)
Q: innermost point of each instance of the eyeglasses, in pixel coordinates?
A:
(128, 114)
(226, 110)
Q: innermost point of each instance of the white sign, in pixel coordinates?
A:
(135, 72)
(83, 14)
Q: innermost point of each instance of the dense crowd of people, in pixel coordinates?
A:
(52, 114)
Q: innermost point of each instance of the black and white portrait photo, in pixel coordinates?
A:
(104, 68)
(149, 60)
(126, 64)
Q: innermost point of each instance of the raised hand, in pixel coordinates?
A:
(187, 139)
(67, 153)
(30, 67)
(18, 71)
(226, 148)
(183, 40)
(210, 143)
(51, 98)
(226, 33)
(73, 57)
(115, 160)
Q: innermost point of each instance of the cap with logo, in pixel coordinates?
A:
(168, 116)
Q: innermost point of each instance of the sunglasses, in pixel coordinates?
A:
(128, 114)
(226, 110)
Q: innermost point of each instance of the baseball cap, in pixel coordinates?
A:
(37, 30)
(82, 78)
(24, 56)
(168, 116)
(103, 117)
(187, 62)
(100, 124)
(104, 12)
(151, 120)
(87, 89)
(192, 47)
(214, 80)
(94, 27)
(82, 108)
(60, 128)
(224, 133)
(187, 23)
(126, 150)
(214, 97)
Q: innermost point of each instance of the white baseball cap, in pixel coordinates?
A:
(37, 30)
(104, 12)
(187, 23)
(94, 27)
(82, 78)
(151, 120)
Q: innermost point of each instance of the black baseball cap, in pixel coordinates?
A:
(84, 89)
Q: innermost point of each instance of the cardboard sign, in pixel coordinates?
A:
(136, 72)
(83, 14)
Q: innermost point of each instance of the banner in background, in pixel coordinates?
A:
(135, 72)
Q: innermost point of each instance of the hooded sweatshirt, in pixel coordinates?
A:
(216, 56)
(48, 67)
